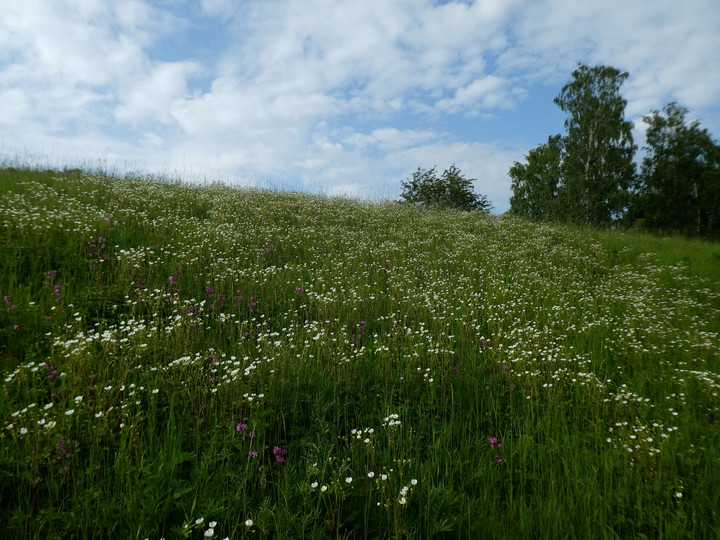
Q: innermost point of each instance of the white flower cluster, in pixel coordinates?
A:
(391, 420)
(364, 435)
(405, 491)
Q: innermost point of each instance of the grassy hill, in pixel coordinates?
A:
(184, 361)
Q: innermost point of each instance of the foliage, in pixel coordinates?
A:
(535, 185)
(679, 184)
(584, 176)
(450, 190)
(186, 362)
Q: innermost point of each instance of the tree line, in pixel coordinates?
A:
(589, 175)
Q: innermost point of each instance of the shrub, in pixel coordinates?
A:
(450, 190)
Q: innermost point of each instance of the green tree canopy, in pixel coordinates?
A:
(450, 190)
(535, 184)
(598, 168)
(585, 175)
(679, 183)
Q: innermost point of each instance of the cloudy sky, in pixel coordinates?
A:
(332, 96)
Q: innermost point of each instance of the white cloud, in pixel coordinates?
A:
(151, 95)
(485, 93)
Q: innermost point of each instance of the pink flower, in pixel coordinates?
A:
(279, 454)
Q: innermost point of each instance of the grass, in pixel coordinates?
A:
(185, 362)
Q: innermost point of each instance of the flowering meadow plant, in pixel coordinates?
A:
(209, 362)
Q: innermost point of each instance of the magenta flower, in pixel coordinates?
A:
(241, 427)
(279, 454)
(253, 454)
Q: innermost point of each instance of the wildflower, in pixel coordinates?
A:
(402, 500)
(678, 494)
(348, 480)
(198, 521)
(69, 412)
(249, 522)
(371, 474)
(23, 431)
(413, 482)
(241, 427)
(210, 532)
(279, 453)
(253, 454)
(323, 488)
(314, 485)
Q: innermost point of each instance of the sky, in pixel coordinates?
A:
(344, 97)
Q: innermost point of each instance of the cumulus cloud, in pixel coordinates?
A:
(345, 96)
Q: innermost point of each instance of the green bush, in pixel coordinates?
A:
(450, 190)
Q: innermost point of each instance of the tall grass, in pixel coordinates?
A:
(195, 362)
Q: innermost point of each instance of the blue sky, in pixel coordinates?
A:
(339, 97)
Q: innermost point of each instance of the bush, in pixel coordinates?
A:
(451, 190)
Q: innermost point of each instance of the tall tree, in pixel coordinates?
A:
(535, 184)
(679, 183)
(598, 167)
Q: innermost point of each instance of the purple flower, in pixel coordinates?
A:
(253, 454)
(279, 454)
(241, 427)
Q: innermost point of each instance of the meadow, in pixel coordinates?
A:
(181, 361)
